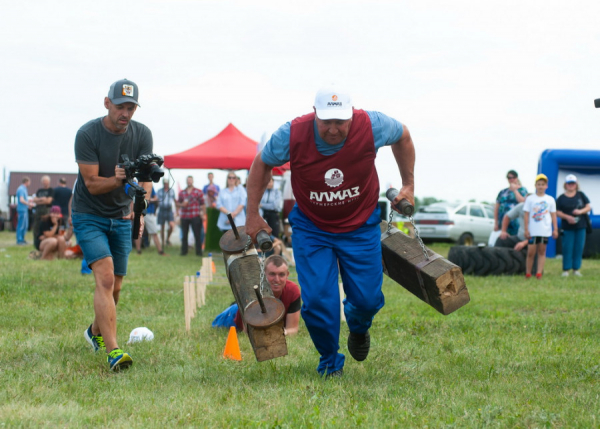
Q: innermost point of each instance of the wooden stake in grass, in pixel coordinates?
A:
(186, 302)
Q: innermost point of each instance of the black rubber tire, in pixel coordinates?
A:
(509, 264)
(482, 264)
(509, 241)
(497, 265)
(470, 260)
(466, 239)
(458, 256)
(519, 258)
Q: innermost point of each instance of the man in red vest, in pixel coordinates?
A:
(336, 218)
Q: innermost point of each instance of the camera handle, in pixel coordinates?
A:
(139, 207)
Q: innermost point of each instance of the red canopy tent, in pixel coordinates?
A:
(228, 150)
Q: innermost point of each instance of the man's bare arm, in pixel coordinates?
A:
(291, 323)
(404, 153)
(258, 179)
(97, 185)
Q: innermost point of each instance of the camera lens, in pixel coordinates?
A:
(155, 172)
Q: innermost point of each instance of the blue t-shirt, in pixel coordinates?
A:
(22, 192)
(151, 209)
(386, 131)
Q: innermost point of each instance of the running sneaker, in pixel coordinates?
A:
(118, 360)
(565, 274)
(96, 341)
(336, 374)
(359, 345)
(577, 273)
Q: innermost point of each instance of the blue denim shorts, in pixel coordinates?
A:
(101, 238)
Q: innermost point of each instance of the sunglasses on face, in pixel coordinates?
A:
(231, 177)
(511, 177)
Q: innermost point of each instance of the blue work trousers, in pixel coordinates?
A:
(317, 254)
(22, 225)
(573, 242)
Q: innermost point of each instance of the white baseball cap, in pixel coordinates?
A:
(332, 103)
(140, 334)
(571, 178)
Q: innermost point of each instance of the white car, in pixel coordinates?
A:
(466, 223)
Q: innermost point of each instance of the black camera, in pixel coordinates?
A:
(145, 169)
(597, 103)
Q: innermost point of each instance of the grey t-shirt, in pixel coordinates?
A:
(517, 213)
(96, 145)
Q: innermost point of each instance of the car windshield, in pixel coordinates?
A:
(438, 208)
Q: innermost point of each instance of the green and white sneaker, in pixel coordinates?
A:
(118, 360)
(96, 341)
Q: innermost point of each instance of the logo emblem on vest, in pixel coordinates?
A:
(334, 97)
(334, 177)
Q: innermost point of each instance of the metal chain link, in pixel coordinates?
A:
(248, 243)
(261, 262)
(417, 236)
(412, 222)
(390, 222)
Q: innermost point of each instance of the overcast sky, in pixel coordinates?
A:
(484, 87)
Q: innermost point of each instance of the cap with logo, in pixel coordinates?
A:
(541, 177)
(330, 103)
(123, 91)
(571, 178)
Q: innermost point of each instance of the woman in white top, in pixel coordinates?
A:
(231, 199)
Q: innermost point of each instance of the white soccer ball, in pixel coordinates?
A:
(140, 334)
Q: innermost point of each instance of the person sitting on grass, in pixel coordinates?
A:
(516, 242)
(540, 223)
(288, 292)
(51, 238)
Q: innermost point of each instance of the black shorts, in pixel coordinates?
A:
(538, 240)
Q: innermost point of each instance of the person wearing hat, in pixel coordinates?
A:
(507, 199)
(51, 236)
(573, 207)
(101, 209)
(539, 212)
(166, 200)
(336, 219)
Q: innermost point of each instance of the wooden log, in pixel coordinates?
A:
(268, 343)
(243, 272)
(437, 281)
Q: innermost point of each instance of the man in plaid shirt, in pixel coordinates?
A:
(191, 212)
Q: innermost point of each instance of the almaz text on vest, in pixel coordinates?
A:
(334, 103)
(342, 197)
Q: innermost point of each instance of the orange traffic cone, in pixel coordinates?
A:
(213, 266)
(232, 347)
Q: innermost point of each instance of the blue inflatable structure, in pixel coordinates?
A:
(585, 164)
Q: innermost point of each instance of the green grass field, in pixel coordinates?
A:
(523, 353)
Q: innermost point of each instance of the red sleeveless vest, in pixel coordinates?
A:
(338, 192)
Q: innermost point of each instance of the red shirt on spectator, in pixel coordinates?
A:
(195, 198)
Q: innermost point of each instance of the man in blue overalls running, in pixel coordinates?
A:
(336, 218)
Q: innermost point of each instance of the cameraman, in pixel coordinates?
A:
(101, 210)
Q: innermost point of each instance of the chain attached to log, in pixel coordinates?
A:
(407, 210)
(261, 261)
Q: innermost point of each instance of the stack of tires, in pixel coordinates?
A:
(489, 261)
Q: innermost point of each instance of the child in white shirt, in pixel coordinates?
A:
(540, 223)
